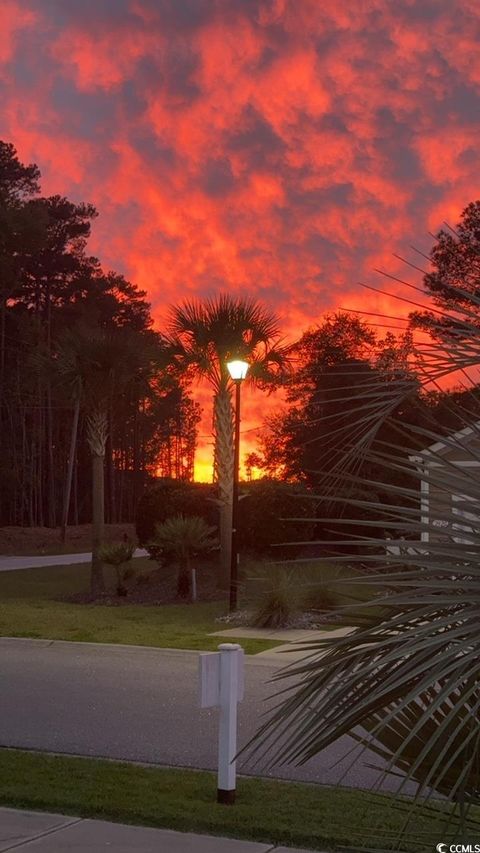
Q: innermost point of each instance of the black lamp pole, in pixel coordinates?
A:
(236, 467)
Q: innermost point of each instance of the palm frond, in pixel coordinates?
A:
(207, 333)
(185, 533)
(405, 681)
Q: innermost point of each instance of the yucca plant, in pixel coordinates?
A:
(320, 587)
(278, 594)
(184, 537)
(279, 601)
(406, 680)
(117, 554)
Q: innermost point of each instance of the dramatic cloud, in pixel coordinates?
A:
(281, 148)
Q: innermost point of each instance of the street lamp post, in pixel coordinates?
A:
(238, 371)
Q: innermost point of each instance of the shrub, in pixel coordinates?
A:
(279, 600)
(168, 498)
(278, 594)
(116, 554)
(184, 537)
(262, 513)
(318, 586)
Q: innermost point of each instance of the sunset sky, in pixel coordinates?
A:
(278, 148)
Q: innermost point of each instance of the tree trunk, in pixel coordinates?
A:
(110, 471)
(97, 584)
(51, 514)
(97, 437)
(123, 464)
(40, 444)
(183, 578)
(50, 472)
(71, 462)
(25, 491)
(75, 491)
(2, 344)
(223, 472)
(136, 469)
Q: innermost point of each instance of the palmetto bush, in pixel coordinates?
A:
(118, 554)
(183, 537)
(406, 680)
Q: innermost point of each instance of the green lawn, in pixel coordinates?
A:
(28, 609)
(270, 811)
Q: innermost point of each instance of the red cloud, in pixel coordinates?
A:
(15, 19)
(282, 148)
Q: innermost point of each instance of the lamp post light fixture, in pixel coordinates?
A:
(238, 371)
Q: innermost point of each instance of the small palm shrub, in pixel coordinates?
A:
(279, 601)
(183, 537)
(118, 554)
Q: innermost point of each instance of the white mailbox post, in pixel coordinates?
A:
(222, 685)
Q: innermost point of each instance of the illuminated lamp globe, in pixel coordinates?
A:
(237, 369)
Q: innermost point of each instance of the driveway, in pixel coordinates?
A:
(13, 564)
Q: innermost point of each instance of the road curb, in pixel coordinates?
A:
(122, 647)
(40, 641)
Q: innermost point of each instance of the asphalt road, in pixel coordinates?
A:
(138, 704)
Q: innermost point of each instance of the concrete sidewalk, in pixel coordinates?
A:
(13, 564)
(294, 641)
(43, 833)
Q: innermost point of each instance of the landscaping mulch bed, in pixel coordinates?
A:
(310, 620)
(159, 586)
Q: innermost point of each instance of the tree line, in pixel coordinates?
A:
(94, 401)
(91, 392)
(338, 366)
(82, 371)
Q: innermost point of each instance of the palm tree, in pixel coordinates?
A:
(96, 364)
(204, 336)
(71, 378)
(88, 362)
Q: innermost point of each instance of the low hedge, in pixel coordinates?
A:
(168, 498)
(263, 511)
(264, 507)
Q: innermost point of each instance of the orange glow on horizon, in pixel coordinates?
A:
(203, 470)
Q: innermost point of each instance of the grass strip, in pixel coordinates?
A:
(30, 608)
(269, 811)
